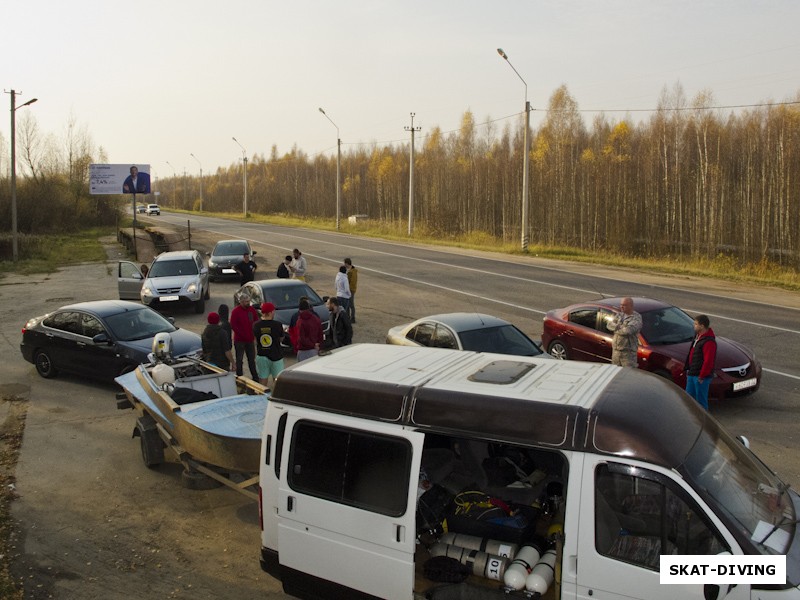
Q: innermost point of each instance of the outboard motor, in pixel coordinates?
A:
(162, 347)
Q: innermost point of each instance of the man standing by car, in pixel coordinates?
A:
(625, 326)
(246, 269)
(243, 316)
(309, 332)
(700, 362)
(352, 279)
(341, 329)
(217, 344)
(298, 266)
(268, 333)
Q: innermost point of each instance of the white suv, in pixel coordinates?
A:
(152, 209)
(178, 277)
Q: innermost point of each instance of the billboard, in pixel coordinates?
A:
(127, 178)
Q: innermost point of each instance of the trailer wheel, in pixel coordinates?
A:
(195, 480)
(151, 443)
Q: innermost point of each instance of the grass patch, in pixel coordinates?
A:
(10, 441)
(46, 253)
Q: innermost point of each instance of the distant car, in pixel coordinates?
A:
(285, 294)
(464, 331)
(101, 339)
(225, 256)
(152, 209)
(580, 332)
(141, 208)
(174, 278)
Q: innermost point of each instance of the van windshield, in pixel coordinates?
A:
(743, 489)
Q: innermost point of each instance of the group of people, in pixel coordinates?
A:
(233, 337)
(699, 362)
(229, 340)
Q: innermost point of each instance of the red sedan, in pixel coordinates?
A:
(579, 332)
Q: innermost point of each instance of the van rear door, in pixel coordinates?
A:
(347, 506)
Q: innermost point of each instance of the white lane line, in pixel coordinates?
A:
(780, 373)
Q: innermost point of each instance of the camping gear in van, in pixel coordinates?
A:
(481, 515)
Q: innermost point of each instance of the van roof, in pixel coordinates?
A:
(567, 405)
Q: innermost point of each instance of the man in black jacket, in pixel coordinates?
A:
(341, 328)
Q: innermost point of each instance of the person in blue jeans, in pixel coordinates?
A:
(700, 362)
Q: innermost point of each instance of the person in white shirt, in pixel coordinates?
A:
(342, 288)
(298, 266)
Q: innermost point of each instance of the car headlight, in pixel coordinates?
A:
(212, 262)
(191, 288)
(146, 291)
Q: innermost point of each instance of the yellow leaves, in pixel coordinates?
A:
(588, 156)
(618, 145)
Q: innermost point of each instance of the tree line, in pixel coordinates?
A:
(688, 180)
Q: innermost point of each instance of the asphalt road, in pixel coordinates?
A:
(95, 523)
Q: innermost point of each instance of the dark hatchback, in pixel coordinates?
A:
(580, 332)
(101, 339)
(285, 294)
(225, 256)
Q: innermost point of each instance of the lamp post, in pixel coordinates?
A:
(174, 185)
(526, 156)
(201, 180)
(14, 234)
(244, 160)
(338, 164)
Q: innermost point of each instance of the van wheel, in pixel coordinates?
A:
(200, 306)
(558, 350)
(44, 364)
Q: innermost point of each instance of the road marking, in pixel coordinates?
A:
(780, 373)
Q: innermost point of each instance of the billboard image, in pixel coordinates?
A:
(119, 179)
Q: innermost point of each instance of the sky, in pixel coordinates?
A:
(156, 81)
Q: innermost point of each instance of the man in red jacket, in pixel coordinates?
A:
(310, 336)
(243, 316)
(700, 362)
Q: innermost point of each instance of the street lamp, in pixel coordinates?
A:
(338, 163)
(14, 234)
(174, 185)
(201, 180)
(244, 159)
(526, 156)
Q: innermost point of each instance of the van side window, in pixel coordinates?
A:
(351, 467)
(640, 515)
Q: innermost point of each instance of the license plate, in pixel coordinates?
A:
(743, 385)
(169, 298)
(229, 271)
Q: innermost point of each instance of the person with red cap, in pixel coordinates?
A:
(243, 316)
(217, 344)
(269, 353)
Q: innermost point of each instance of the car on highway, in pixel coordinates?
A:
(152, 209)
(580, 332)
(141, 209)
(174, 278)
(225, 256)
(101, 339)
(285, 294)
(465, 331)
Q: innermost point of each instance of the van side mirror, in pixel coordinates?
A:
(101, 338)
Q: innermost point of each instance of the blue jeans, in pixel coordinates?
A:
(698, 390)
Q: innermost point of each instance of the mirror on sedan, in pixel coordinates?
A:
(102, 338)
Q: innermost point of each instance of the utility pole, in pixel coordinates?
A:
(14, 233)
(184, 187)
(412, 129)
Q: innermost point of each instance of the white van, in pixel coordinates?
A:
(377, 461)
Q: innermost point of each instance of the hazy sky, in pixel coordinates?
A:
(154, 81)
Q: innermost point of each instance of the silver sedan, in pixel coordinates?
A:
(465, 331)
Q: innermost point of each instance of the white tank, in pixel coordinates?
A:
(481, 563)
(473, 542)
(517, 572)
(162, 374)
(543, 573)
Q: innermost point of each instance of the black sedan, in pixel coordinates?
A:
(225, 256)
(285, 294)
(101, 339)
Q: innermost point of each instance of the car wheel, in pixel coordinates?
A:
(200, 306)
(558, 350)
(44, 364)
